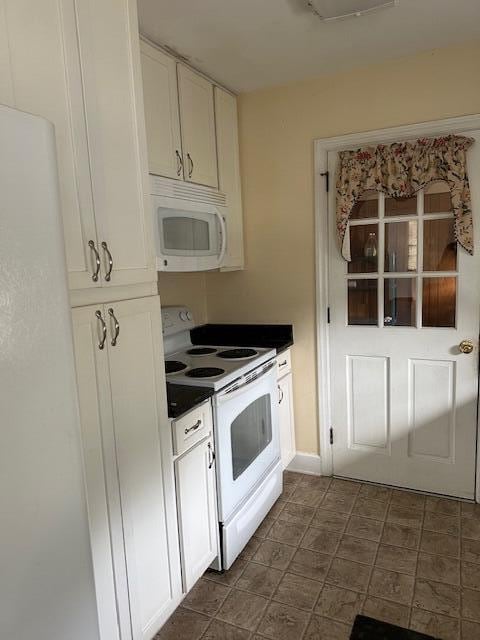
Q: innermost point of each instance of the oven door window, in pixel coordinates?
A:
(251, 432)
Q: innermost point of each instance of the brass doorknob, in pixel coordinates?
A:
(466, 346)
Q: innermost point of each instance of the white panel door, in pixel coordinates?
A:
(197, 509)
(404, 396)
(110, 57)
(226, 124)
(198, 127)
(162, 119)
(40, 73)
(103, 497)
(144, 457)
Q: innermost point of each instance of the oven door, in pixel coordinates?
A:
(190, 236)
(246, 436)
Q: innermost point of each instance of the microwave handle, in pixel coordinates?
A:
(223, 231)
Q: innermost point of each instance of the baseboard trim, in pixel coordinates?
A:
(309, 463)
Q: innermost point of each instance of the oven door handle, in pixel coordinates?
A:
(225, 396)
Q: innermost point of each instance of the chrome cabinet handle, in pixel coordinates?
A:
(194, 427)
(101, 344)
(190, 170)
(91, 244)
(179, 162)
(110, 261)
(282, 364)
(280, 394)
(117, 327)
(211, 455)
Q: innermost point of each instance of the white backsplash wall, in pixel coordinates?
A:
(185, 288)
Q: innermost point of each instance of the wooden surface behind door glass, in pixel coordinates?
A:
(362, 302)
(364, 248)
(439, 302)
(366, 207)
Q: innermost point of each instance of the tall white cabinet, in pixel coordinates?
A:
(73, 63)
(77, 63)
(128, 453)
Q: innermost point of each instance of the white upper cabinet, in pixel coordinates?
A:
(40, 73)
(226, 122)
(76, 63)
(162, 119)
(198, 127)
(110, 60)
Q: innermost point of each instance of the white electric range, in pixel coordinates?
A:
(246, 428)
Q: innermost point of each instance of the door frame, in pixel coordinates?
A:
(322, 146)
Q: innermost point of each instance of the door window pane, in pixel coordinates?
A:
(362, 302)
(251, 432)
(437, 198)
(401, 246)
(401, 206)
(366, 207)
(363, 247)
(439, 246)
(439, 302)
(400, 302)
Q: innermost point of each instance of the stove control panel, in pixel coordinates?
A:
(176, 319)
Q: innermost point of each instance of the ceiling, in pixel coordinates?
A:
(250, 44)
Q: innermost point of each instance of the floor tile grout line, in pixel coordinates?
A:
(415, 575)
(367, 593)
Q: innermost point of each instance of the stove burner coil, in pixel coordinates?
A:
(174, 366)
(234, 354)
(205, 372)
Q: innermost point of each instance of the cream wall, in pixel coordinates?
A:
(185, 288)
(277, 127)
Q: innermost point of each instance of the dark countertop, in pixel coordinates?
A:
(182, 398)
(273, 336)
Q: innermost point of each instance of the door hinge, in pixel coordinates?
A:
(331, 435)
(326, 175)
(328, 315)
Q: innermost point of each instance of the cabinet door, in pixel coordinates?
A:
(110, 57)
(162, 119)
(226, 124)
(40, 73)
(144, 457)
(198, 127)
(286, 419)
(103, 497)
(198, 521)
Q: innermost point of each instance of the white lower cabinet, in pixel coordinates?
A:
(197, 505)
(128, 462)
(286, 412)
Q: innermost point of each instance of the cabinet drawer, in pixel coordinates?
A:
(284, 363)
(191, 428)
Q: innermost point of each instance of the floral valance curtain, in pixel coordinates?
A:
(399, 170)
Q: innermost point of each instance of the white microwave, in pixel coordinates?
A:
(189, 225)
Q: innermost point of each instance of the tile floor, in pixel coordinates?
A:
(330, 549)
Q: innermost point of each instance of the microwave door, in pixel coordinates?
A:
(189, 240)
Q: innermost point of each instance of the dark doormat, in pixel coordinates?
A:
(369, 629)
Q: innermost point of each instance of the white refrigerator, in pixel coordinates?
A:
(46, 578)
